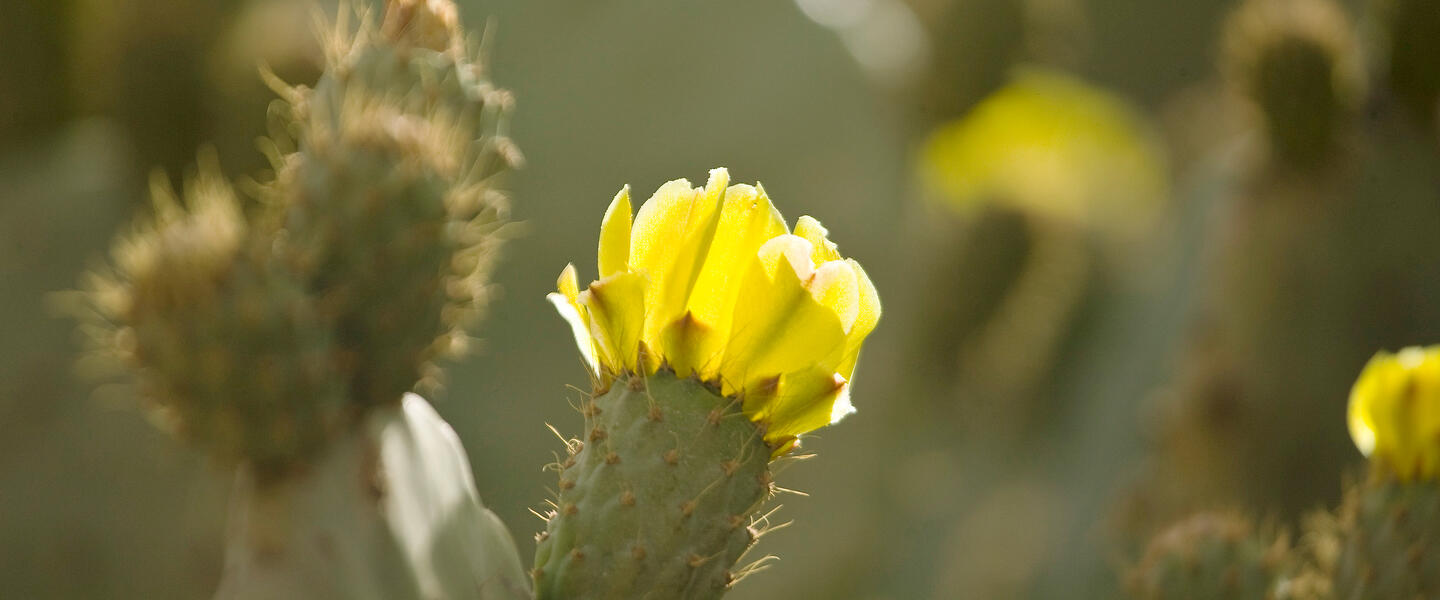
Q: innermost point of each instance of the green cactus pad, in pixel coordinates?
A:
(224, 343)
(1390, 534)
(387, 207)
(1210, 556)
(657, 500)
(371, 242)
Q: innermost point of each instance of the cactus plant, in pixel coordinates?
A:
(283, 338)
(1383, 542)
(715, 338)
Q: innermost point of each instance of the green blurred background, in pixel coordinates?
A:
(1043, 390)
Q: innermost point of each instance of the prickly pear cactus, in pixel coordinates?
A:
(1211, 556)
(656, 499)
(716, 338)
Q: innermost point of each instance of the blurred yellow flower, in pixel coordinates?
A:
(1050, 144)
(1394, 412)
(711, 283)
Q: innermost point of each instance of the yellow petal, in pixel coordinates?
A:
(842, 407)
(810, 229)
(568, 284)
(617, 315)
(670, 240)
(567, 303)
(785, 249)
(866, 317)
(780, 327)
(801, 403)
(834, 286)
(1394, 413)
(1363, 396)
(1428, 408)
(615, 235)
(690, 345)
(659, 225)
(747, 220)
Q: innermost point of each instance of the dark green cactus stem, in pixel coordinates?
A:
(1211, 556)
(1390, 542)
(658, 499)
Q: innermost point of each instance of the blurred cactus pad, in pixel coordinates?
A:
(261, 328)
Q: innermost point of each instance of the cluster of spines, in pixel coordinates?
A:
(260, 332)
(663, 494)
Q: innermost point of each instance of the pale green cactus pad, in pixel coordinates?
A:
(389, 512)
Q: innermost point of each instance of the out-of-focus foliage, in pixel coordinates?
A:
(1051, 145)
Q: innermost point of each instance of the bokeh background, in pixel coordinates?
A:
(1131, 253)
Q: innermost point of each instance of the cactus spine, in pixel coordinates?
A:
(657, 500)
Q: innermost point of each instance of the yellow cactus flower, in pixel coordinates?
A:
(709, 282)
(1394, 413)
(1051, 144)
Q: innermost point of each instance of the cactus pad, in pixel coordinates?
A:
(657, 500)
